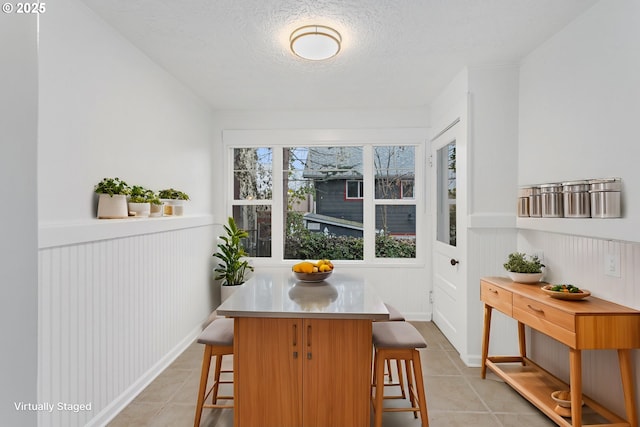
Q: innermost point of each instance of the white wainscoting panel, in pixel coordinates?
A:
(581, 261)
(113, 314)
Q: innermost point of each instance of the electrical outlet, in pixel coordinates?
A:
(612, 265)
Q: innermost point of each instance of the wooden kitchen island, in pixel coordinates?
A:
(581, 325)
(302, 351)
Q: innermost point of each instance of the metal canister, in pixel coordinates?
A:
(551, 200)
(524, 194)
(605, 197)
(535, 202)
(576, 200)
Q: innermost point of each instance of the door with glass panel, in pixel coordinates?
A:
(448, 157)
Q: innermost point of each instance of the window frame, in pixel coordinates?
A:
(360, 189)
(365, 138)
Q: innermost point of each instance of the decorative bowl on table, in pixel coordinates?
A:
(313, 271)
(563, 402)
(312, 277)
(566, 292)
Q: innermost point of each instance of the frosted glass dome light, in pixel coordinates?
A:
(315, 42)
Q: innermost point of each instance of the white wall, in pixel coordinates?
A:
(18, 224)
(107, 110)
(578, 114)
(407, 291)
(118, 299)
(579, 108)
(489, 216)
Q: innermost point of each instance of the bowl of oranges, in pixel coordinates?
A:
(313, 271)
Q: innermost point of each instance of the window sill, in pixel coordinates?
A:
(73, 233)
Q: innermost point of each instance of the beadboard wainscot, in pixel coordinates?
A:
(119, 300)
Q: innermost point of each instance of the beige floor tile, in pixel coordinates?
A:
(451, 393)
(175, 415)
(165, 386)
(499, 397)
(530, 420)
(463, 419)
(136, 414)
(437, 362)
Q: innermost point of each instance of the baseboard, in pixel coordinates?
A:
(418, 316)
(121, 402)
(472, 360)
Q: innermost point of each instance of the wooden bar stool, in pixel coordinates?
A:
(218, 341)
(399, 341)
(395, 316)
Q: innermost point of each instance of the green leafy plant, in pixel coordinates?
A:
(171, 193)
(232, 267)
(519, 262)
(140, 194)
(112, 186)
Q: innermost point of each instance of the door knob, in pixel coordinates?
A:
(454, 261)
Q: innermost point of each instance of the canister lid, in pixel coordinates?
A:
(575, 186)
(551, 188)
(524, 191)
(606, 184)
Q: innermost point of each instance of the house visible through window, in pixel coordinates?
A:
(322, 202)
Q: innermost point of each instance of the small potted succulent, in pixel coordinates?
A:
(140, 201)
(232, 268)
(524, 268)
(173, 201)
(112, 200)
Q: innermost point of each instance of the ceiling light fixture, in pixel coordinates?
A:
(315, 42)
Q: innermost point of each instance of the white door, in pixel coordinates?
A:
(448, 160)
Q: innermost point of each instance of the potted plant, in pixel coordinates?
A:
(524, 268)
(139, 201)
(174, 201)
(155, 205)
(232, 268)
(112, 200)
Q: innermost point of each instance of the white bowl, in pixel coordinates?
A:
(525, 277)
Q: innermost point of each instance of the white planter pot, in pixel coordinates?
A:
(227, 291)
(156, 210)
(173, 207)
(112, 207)
(140, 209)
(525, 277)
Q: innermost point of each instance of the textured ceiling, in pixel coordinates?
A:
(395, 53)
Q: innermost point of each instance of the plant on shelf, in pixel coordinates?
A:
(172, 194)
(140, 200)
(112, 200)
(524, 268)
(232, 267)
(174, 201)
(112, 187)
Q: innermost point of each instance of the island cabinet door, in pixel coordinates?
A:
(268, 372)
(336, 373)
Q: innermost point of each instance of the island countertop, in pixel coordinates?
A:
(278, 294)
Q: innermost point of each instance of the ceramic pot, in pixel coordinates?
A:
(112, 207)
(227, 291)
(140, 209)
(525, 277)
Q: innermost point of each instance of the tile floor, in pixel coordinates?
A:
(456, 395)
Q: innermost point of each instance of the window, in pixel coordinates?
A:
(354, 189)
(395, 205)
(252, 194)
(343, 202)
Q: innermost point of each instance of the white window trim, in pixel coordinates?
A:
(367, 138)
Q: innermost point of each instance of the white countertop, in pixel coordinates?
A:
(279, 295)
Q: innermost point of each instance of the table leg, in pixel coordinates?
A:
(522, 339)
(626, 373)
(575, 382)
(485, 339)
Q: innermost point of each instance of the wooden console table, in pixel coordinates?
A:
(581, 325)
